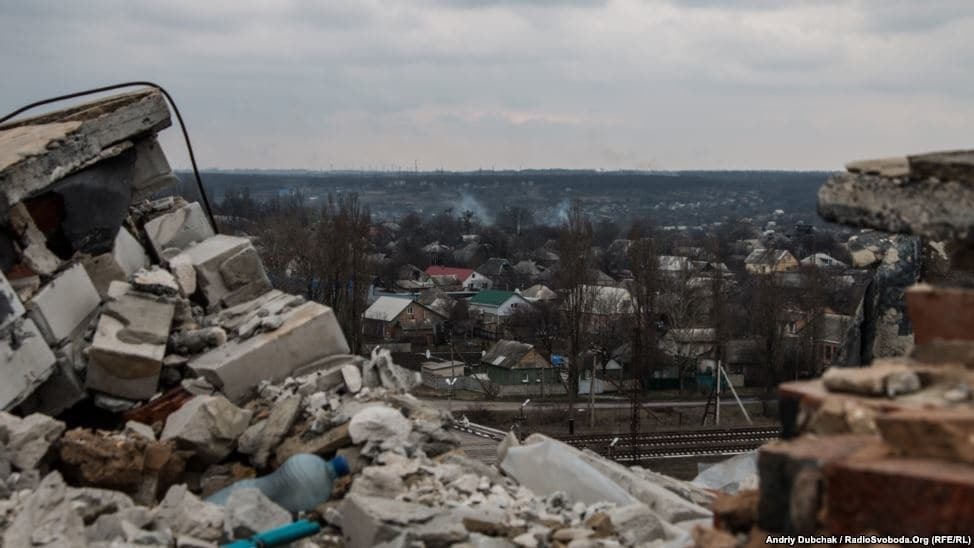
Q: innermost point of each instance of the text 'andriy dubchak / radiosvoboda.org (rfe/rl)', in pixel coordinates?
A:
(926, 540)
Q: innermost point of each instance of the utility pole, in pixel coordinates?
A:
(591, 393)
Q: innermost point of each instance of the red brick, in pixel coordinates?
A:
(940, 313)
(899, 496)
(936, 433)
(790, 477)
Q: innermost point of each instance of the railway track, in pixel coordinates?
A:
(680, 444)
(656, 445)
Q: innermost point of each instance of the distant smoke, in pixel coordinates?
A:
(468, 202)
(556, 215)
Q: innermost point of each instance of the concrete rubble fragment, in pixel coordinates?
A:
(178, 229)
(64, 304)
(209, 425)
(248, 512)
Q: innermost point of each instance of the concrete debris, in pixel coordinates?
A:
(63, 305)
(155, 280)
(125, 357)
(178, 229)
(25, 362)
(28, 440)
(308, 332)
(249, 511)
(126, 257)
(228, 271)
(209, 425)
(378, 424)
(882, 379)
(217, 377)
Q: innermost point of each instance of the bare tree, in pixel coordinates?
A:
(644, 264)
(574, 250)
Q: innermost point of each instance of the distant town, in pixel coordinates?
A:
(565, 284)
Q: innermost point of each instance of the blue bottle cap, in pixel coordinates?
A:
(340, 466)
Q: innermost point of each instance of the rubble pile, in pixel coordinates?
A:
(887, 449)
(148, 364)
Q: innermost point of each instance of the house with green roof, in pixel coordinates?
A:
(497, 303)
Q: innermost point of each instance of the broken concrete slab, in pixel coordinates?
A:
(63, 305)
(883, 378)
(228, 270)
(249, 511)
(209, 425)
(369, 521)
(935, 209)
(322, 444)
(10, 306)
(151, 172)
(378, 423)
(29, 439)
(279, 422)
(155, 280)
(47, 518)
(179, 229)
(28, 162)
(308, 332)
(62, 390)
(25, 362)
(885, 167)
(183, 270)
(956, 165)
(34, 251)
(185, 514)
(125, 356)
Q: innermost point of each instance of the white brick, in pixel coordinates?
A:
(10, 306)
(26, 367)
(179, 228)
(309, 332)
(228, 270)
(125, 357)
(61, 306)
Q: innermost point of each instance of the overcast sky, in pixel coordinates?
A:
(467, 84)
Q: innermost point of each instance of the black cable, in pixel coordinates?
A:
(182, 126)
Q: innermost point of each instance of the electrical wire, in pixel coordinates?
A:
(172, 103)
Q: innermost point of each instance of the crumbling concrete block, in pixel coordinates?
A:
(185, 514)
(209, 425)
(946, 434)
(155, 280)
(249, 511)
(29, 439)
(182, 269)
(127, 257)
(64, 304)
(228, 270)
(884, 378)
(369, 521)
(125, 357)
(151, 172)
(47, 518)
(308, 332)
(61, 391)
(34, 253)
(82, 133)
(10, 306)
(179, 229)
(378, 423)
(25, 362)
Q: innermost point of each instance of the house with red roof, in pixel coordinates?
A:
(470, 279)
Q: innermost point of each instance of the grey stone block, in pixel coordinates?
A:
(178, 229)
(125, 357)
(228, 270)
(209, 425)
(61, 306)
(25, 363)
(308, 333)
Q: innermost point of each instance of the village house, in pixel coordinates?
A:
(767, 261)
(516, 368)
(497, 303)
(468, 278)
(393, 318)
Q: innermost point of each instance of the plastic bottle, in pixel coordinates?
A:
(301, 483)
